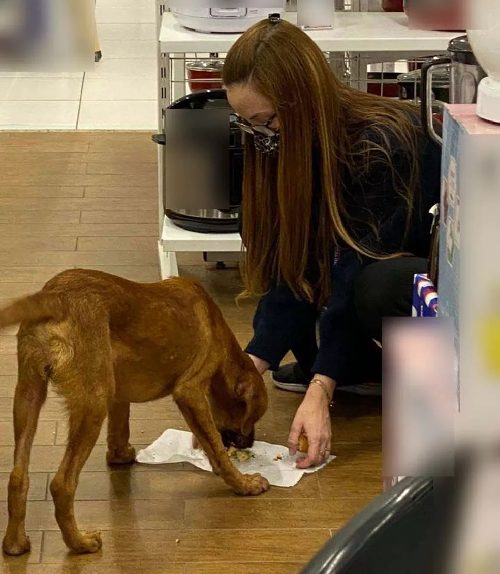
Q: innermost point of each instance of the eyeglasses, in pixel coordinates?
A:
(262, 129)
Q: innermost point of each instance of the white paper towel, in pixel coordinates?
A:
(176, 446)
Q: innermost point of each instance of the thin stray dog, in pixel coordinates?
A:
(105, 342)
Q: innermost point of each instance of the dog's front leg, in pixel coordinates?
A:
(196, 411)
(119, 449)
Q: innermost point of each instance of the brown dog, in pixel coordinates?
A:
(105, 342)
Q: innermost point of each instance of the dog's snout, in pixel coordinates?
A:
(236, 439)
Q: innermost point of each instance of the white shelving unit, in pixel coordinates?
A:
(174, 240)
(381, 32)
(373, 36)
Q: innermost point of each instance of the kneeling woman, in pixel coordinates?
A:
(335, 216)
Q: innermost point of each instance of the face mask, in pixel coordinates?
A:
(267, 144)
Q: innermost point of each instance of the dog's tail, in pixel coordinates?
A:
(34, 308)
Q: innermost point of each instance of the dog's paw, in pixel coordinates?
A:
(17, 546)
(88, 543)
(121, 456)
(252, 485)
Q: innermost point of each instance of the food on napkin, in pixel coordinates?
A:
(241, 455)
(270, 460)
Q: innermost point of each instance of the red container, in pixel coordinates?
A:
(385, 84)
(441, 15)
(204, 75)
(392, 5)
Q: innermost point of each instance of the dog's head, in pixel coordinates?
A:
(242, 404)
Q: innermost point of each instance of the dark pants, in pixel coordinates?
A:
(382, 289)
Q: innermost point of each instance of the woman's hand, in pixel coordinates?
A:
(313, 419)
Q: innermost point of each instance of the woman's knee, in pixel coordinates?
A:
(384, 289)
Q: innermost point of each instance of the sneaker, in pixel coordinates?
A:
(291, 378)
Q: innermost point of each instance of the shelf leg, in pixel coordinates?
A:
(168, 263)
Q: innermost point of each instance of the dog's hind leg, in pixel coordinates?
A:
(31, 392)
(87, 383)
(85, 424)
(119, 449)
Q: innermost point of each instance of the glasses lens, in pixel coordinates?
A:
(243, 125)
(244, 128)
(264, 131)
(249, 129)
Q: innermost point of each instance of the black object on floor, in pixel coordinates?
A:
(98, 56)
(406, 530)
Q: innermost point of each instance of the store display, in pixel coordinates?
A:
(223, 16)
(468, 269)
(485, 39)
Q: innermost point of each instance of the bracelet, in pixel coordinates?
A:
(322, 385)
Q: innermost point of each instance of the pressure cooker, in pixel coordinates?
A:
(215, 207)
(466, 74)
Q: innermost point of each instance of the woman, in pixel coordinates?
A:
(337, 189)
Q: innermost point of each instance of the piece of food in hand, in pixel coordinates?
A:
(239, 454)
(303, 445)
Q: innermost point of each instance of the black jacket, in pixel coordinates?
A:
(370, 197)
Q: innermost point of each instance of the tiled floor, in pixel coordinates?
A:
(118, 93)
(87, 199)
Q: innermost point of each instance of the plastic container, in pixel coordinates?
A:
(205, 75)
(383, 84)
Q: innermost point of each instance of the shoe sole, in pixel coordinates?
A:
(291, 387)
(365, 390)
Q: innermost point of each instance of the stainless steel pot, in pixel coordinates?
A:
(466, 74)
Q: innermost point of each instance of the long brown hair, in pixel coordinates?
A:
(314, 109)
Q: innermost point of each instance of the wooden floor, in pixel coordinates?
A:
(89, 200)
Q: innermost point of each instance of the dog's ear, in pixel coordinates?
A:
(243, 392)
(248, 391)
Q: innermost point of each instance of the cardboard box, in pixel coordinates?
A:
(469, 273)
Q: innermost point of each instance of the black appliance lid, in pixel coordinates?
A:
(440, 78)
(461, 50)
